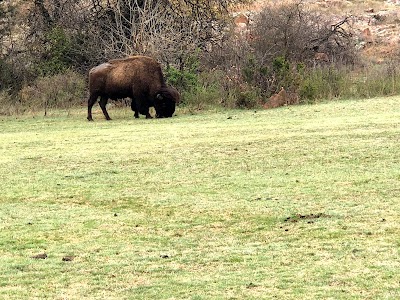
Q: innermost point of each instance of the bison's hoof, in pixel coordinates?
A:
(90, 119)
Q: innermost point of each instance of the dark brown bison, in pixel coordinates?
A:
(137, 77)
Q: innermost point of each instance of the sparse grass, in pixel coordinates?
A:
(299, 202)
(352, 6)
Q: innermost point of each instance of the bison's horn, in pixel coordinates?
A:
(159, 97)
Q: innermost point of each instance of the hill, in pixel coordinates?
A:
(376, 23)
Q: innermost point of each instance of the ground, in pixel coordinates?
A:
(298, 202)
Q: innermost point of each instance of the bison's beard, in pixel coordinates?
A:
(165, 109)
(165, 102)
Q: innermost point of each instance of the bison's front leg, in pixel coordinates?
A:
(142, 107)
(134, 108)
(103, 103)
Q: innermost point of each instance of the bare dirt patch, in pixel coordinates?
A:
(309, 218)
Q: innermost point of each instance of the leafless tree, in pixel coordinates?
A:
(52, 25)
(292, 31)
(11, 50)
(169, 30)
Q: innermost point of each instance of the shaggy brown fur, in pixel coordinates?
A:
(137, 77)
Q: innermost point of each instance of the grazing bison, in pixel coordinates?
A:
(137, 77)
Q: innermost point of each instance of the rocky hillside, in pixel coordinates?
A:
(376, 24)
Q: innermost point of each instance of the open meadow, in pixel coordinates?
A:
(300, 202)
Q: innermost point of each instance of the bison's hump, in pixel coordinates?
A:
(128, 59)
(100, 68)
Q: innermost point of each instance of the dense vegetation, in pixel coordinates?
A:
(48, 46)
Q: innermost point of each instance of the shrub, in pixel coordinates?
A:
(294, 32)
(278, 51)
(184, 80)
(308, 90)
(56, 57)
(280, 65)
(58, 91)
(379, 80)
(323, 83)
(215, 89)
(247, 99)
(7, 106)
(201, 96)
(6, 75)
(204, 91)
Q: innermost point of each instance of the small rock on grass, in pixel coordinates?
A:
(40, 256)
(68, 258)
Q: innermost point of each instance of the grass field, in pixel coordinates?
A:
(300, 202)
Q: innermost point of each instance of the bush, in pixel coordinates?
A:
(292, 31)
(58, 91)
(6, 75)
(183, 80)
(278, 51)
(204, 91)
(323, 83)
(308, 90)
(379, 80)
(57, 53)
(247, 99)
(333, 82)
(215, 89)
(7, 106)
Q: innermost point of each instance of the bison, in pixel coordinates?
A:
(137, 77)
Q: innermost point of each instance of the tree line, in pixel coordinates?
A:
(198, 43)
(53, 35)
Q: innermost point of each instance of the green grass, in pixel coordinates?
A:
(300, 202)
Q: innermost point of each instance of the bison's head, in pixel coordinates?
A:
(166, 99)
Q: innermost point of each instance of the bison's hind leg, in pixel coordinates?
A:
(103, 103)
(92, 100)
